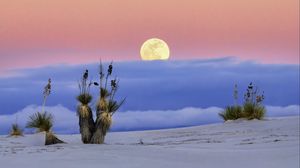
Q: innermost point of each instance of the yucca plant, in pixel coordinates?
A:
(232, 113)
(106, 105)
(95, 131)
(252, 108)
(84, 111)
(43, 121)
(16, 130)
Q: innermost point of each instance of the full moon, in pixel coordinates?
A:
(155, 49)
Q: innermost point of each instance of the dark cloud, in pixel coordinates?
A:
(157, 85)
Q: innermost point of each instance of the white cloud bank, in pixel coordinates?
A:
(66, 120)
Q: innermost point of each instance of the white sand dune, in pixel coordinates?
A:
(272, 143)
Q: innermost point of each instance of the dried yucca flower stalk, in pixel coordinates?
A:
(46, 93)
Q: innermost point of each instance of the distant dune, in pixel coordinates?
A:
(271, 143)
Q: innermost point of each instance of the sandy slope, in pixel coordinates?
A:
(267, 144)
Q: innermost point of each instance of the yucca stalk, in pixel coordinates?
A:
(46, 93)
(101, 74)
(109, 72)
(235, 95)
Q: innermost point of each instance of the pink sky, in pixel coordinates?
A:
(36, 33)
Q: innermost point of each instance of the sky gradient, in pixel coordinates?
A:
(36, 33)
(214, 44)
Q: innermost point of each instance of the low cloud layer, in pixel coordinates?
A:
(66, 120)
(157, 85)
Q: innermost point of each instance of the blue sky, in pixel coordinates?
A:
(156, 85)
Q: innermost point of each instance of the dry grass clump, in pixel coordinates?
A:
(232, 113)
(254, 111)
(251, 109)
(16, 130)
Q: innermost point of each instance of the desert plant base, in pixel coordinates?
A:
(52, 139)
(98, 137)
(16, 131)
(102, 125)
(15, 134)
(86, 123)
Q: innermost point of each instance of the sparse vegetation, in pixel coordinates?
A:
(43, 121)
(251, 109)
(94, 131)
(16, 130)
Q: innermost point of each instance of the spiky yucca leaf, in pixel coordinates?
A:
(113, 106)
(41, 121)
(104, 93)
(16, 130)
(232, 113)
(84, 98)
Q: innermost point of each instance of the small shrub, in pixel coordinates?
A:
(253, 107)
(254, 111)
(232, 113)
(16, 130)
(42, 121)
